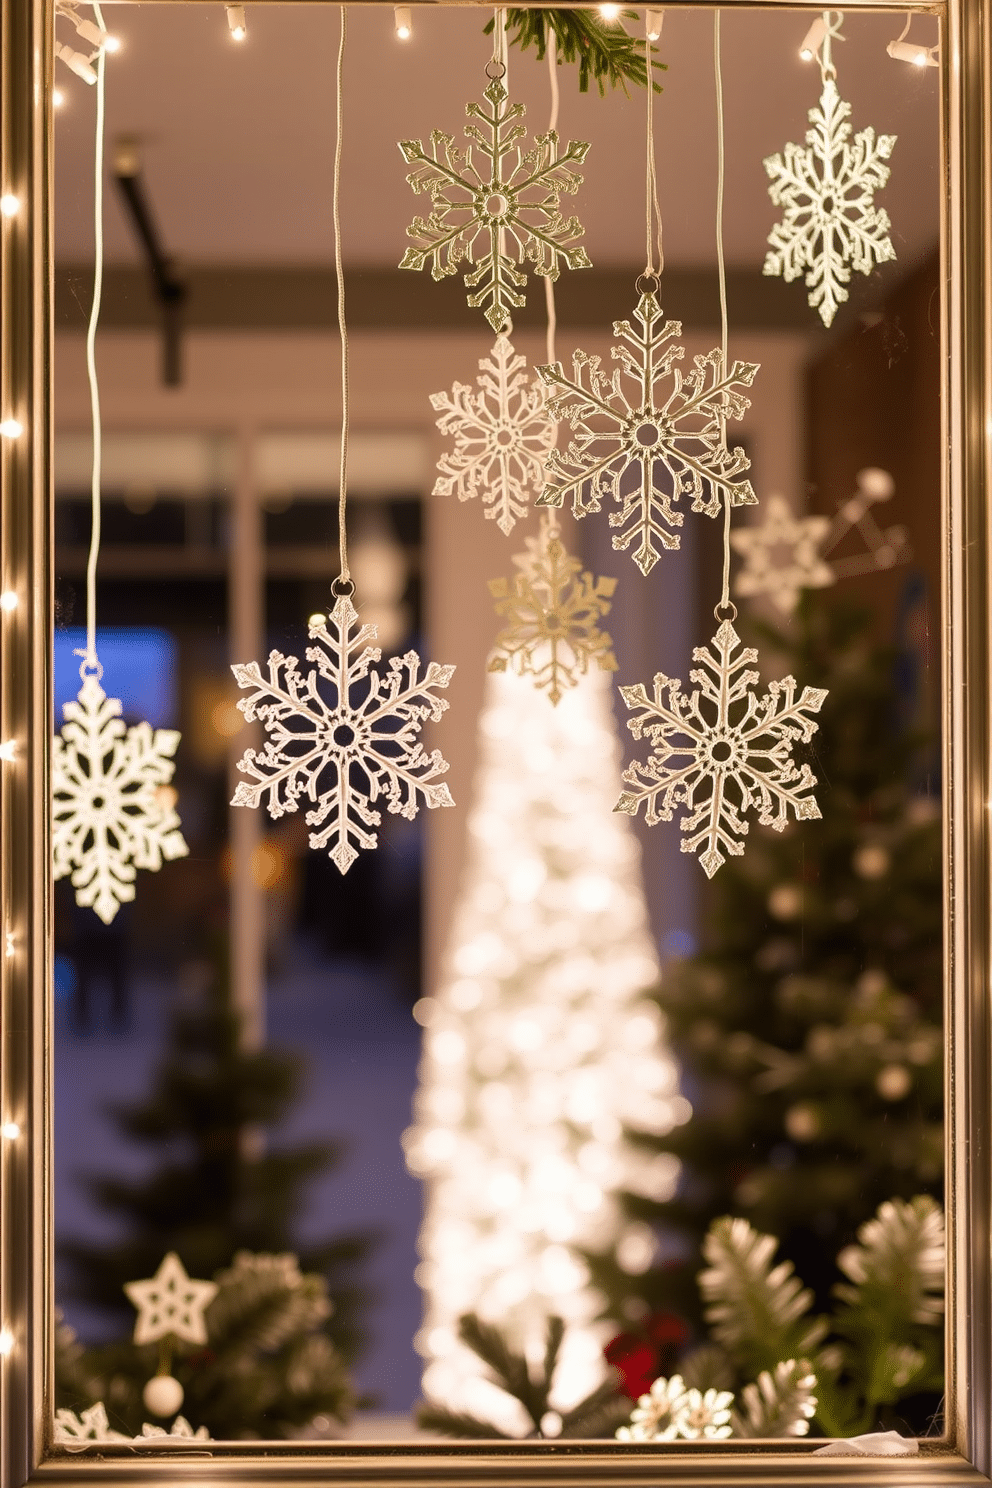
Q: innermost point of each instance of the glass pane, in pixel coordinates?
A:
(603, 1093)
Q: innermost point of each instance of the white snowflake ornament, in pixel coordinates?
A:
(502, 436)
(113, 810)
(830, 224)
(342, 735)
(649, 435)
(782, 556)
(171, 1304)
(721, 751)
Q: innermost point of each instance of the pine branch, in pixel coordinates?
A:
(603, 50)
(509, 1368)
(897, 1267)
(457, 1423)
(599, 1414)
(757, 1312)
(778, 1404)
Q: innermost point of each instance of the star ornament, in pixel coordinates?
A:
(342, 735)
(830, 224)
(170, 1303)
(722, 751)
(648, 435)
(113, 810)
(552, 611)
(502, 435)
(495, 205)
(782, 556)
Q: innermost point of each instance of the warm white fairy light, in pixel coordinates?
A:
(11, 428)
(541, 1049)
(6, 1343)
(10, 1131)
(10, 205)
(236, 22)
(58, 98)
(11, 945)
(403, 22)
(609, 12)
(652, 24)
(8, 750)
(76, 62)
(813, 39)
(8, 600)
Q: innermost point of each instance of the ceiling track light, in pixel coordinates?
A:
(236, 23)
(402, 22)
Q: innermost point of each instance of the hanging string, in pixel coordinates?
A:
(832, 22)
(549, 284)
(652, 205)
(90, 658)
(345, 575)
(722, 272)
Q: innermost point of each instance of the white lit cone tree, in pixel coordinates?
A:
(542, 1049)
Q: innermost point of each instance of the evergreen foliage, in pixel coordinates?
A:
(602, 49)
(808, 1025)
(598, 1414)
(217, 1191)
(268, 1367)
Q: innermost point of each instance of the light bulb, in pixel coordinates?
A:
(11, 429)
(10, 205)
(652, 23)
(8, 751)
(58, 98)
(8, 600)
(11, 948)
(236, 22)
(92, 33)
(111, 43)
(6, 1342)
(609, 12)
(10, 1130)
(76, 62)
(813, 39)
(910, 51)
(403, 22)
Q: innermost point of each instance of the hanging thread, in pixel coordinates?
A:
(344, 580)
(725, 602)
(549, 284)
(652, 204)
(90, 661)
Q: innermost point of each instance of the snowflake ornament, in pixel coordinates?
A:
(113, 810)
(782, 555)
(552, 608)
(345, 745)
(721, 751)
(884, 547)
(830, 224)
(502, 437)
(495, 206)
(649, 434)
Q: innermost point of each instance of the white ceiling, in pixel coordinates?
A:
(239, 139)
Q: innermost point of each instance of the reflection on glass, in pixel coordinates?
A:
(522, 1126)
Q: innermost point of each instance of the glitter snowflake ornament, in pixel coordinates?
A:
(494, 205)
(502, 436)
(830, 224)
(721, 751)
(552, 609)
(171, 1304)
(782, 556)
(343, 736)
(649, 434)
(113, 810)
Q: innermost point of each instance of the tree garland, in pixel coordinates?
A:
(602, 49)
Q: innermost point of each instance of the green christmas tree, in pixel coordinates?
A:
(218, 1193)
(808, 1026)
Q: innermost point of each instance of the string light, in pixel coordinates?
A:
(91, 33)
(236, 22)
(403, 22)
(10, 205)
(902, 50)
(76, 62)
(609, 12)
(8, 750)
(652, 22)
(10, 1130)
(11, 429)
(813, 39)
(11, 948)
(8, 600)
(6, 1342)
(58, 98)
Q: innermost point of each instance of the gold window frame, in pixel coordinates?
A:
(964, 1454)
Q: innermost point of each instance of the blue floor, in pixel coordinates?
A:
(362, 1047)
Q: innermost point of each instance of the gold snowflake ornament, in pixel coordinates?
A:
(502, 436)
(495, 205)
(649, 435)
(552, 609)
(722, 751)
(782, 556)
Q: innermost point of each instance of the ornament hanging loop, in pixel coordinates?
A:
(725, 610)
(89, 666)
(342, 588)
(495, 70)
(647, 283)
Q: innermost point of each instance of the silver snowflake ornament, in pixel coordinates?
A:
(649, 434)
(721, 751)
(113, 810)
(830, 224)
(502, 436)
(495, 206)
(782, 555)
(342, 736)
